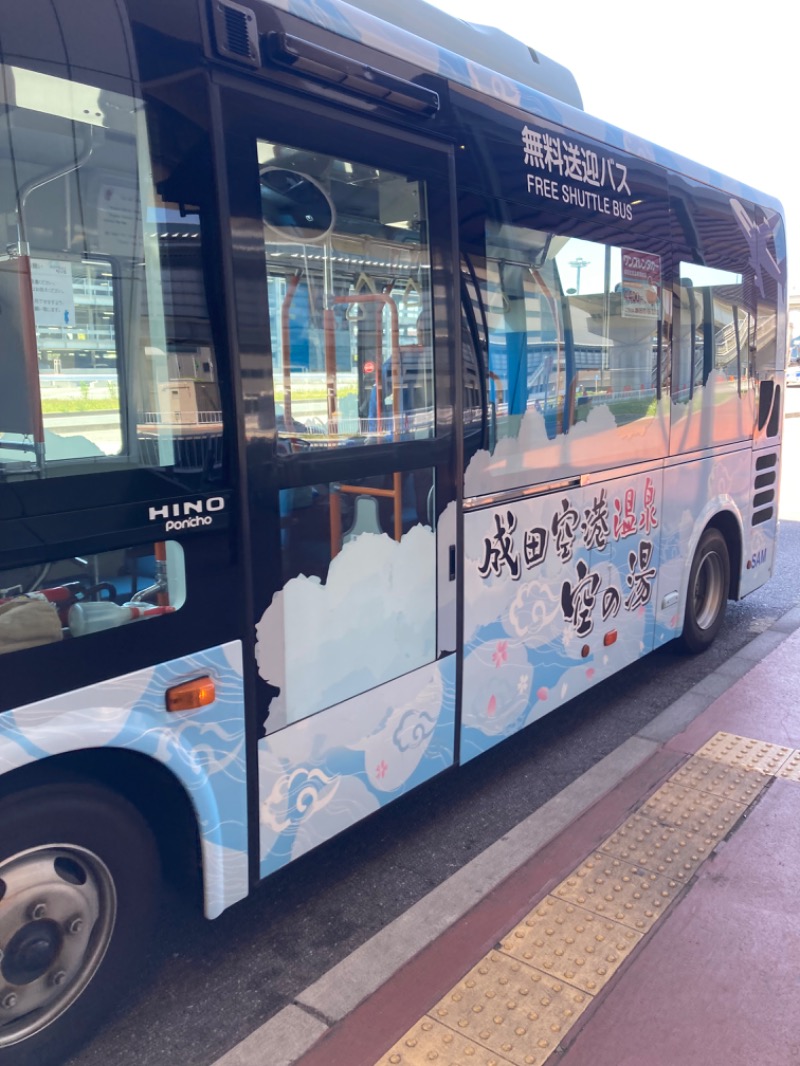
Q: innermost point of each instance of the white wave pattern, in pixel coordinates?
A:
(497, 682)
(298, 794)
(535, 614)
(320, 775)
(413, 705)
(350, 802)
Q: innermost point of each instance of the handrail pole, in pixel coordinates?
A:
(286, 361)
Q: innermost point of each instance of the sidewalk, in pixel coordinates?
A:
(646, 916)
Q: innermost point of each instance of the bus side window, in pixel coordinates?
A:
(573, 325)
(69, 598)
(473, 362)
(715, 333)
(767, 351)
(348, 273)
(528, 365)
(615, 317)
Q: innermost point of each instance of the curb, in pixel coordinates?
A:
(293, 1031)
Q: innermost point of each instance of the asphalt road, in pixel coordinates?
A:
(211, 983)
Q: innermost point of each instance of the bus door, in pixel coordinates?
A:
(345, 332)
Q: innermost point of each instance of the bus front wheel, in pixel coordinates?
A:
(78, 883)
(707, 594)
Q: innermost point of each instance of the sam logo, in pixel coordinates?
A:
(189, 514)
(757, 559)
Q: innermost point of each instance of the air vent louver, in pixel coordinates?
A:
(236, 33)
(764, 495)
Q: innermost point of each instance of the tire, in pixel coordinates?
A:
(707, 592)
(79, 878)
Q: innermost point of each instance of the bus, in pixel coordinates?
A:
(362, 400)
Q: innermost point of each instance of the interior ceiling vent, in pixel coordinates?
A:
(236, 32)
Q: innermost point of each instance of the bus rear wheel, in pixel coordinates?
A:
(707, 594)
(78, 880)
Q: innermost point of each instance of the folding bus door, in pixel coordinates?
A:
(342, 261)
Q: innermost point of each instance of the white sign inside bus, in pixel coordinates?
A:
(641, 284)
(53, 293)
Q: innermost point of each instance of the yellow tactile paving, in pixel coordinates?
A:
(571, 943)
(745, 753)
(431, 1042)
(692, 810)
(729, 782)
(620, 891)
(674, 853)
(518, 1003)
(512, 1009)
(791, 768)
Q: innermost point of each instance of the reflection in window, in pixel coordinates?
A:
(76, 346)
(69, 598)
(100, 291)
(765, 358)
(318, 520)
(572, 325)
(714, 334)
(348, 271)
(473, 383)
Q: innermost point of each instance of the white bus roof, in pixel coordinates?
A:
(484, 45)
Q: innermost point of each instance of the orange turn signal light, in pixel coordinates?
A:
(191, 695)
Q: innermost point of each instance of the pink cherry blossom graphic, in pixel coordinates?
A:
(542, 693)
(381, 770)
(590, 672)
(491, 708)
(500, 654)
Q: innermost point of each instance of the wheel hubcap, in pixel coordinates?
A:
(31, 952)
(57, 913)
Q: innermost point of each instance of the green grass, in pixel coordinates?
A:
(80, 404)
(629, 410)
(623, 410)
(77, 405)
(307, 395)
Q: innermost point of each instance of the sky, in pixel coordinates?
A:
(715, 80)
